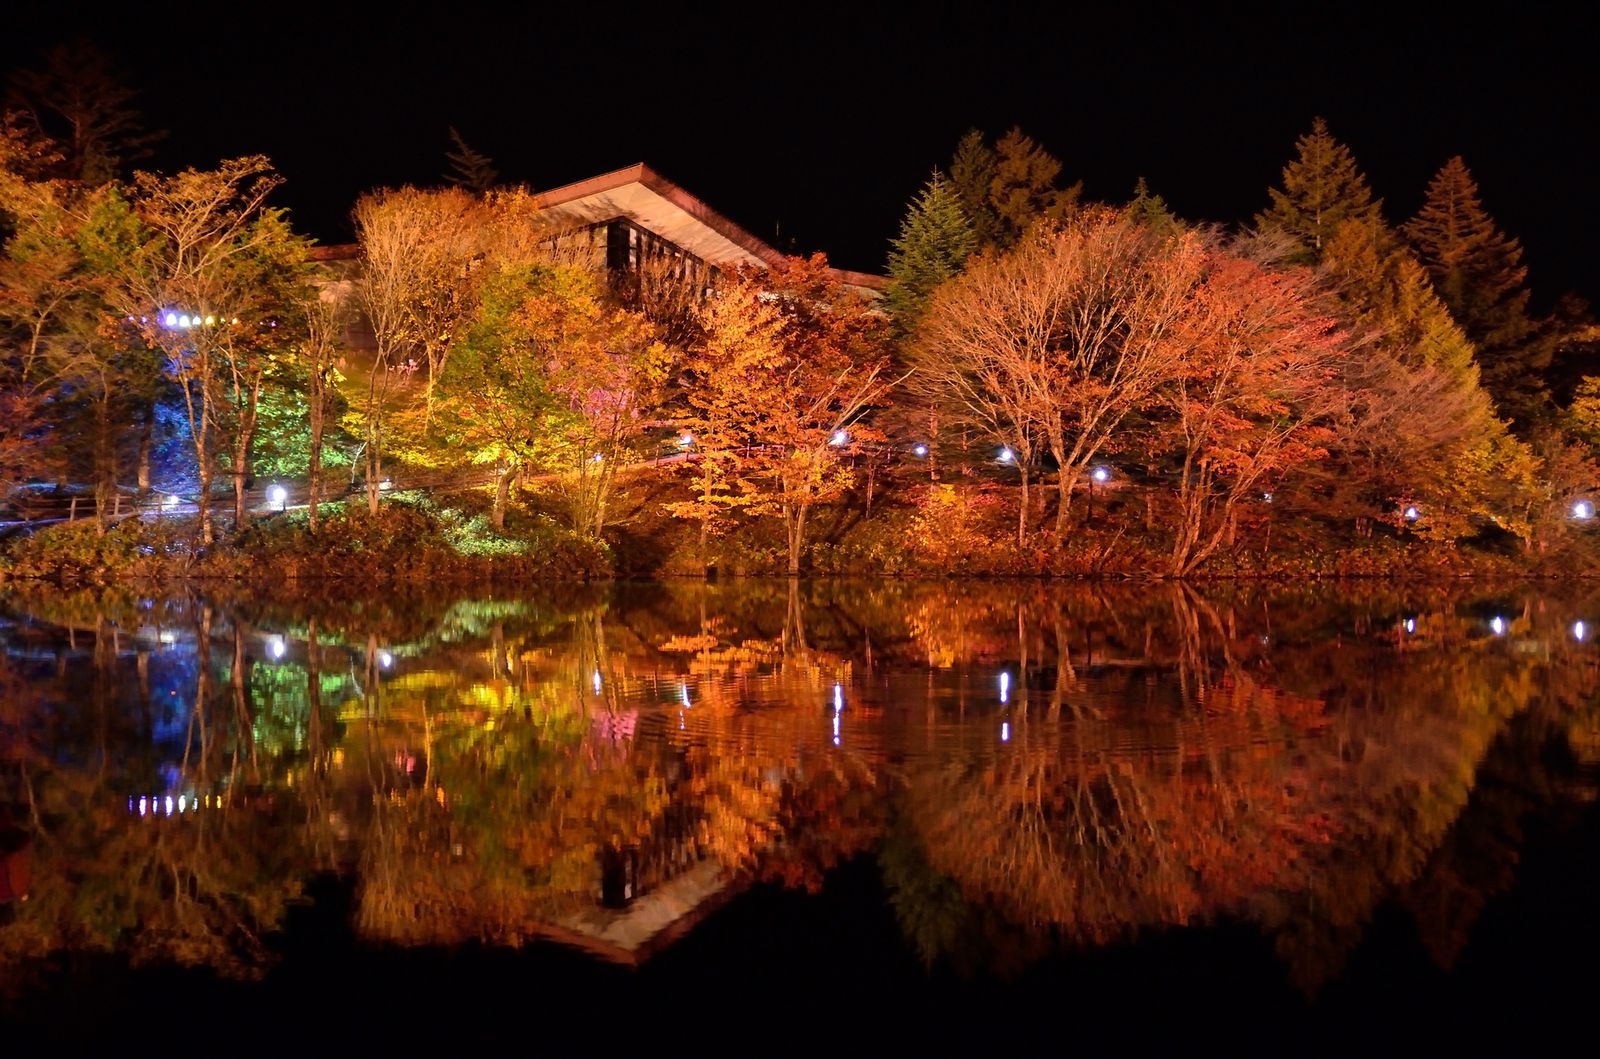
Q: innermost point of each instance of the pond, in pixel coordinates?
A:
(826, 813)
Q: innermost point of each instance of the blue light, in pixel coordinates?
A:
(1102, 474)
(1412, 514)
(1006, 455)
(686, 703)
(1498, 624)
(1005, 687)
(597, 682)
(1411, 625)
(170, 320)
(838, 698)
(920, 450)
(840, 437)
(1579, 631)
(1005, 731)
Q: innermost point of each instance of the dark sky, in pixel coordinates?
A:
(821, 122)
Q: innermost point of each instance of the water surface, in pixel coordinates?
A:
(943, 811)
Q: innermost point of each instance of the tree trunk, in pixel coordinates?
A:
(1022, 507)
(146, 443)
(314, 469)
(241, 514)
(796, 519)
(502, 489)
(374, 464)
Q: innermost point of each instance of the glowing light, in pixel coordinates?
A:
(1102, 474)
(278, 495)
(836, 729)
(686, 440)
(183, 803)
(597, 682)
(839, 438)
(1411, 625)
(167, 637)
(1267, 497)
(680, 720)
(1583, 509)
(169, 805)
(144, 805)
(385, 659)
(184, 321)
(1006, 455)
(276, 647)
(838, 698)
(1579, 631)
(170, 320)
(598, 457)
(920, 450)
(169, 501)
(386, 484)
(1412, 514)
(1005, 731)
(686, 703)
(1498, 624)
(210, 320)
(1005, 687)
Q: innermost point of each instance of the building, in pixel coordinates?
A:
(622, 219)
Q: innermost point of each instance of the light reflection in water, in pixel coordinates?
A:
(1173, 774)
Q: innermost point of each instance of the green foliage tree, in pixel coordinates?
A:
(972, 169)
(1322, 188)
(935, 239)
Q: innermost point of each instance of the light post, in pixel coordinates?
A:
(278, 497)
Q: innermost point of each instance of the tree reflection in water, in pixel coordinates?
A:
(1032, 765)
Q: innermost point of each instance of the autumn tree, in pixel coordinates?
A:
(1252, 398)
(934, 241)
(210, 293)
(1322, 188)
(1054, 344)
(323, 312)
(790, 360)
(1478, 273)
(550, 377)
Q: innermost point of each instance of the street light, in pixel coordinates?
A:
(1006, 455)
(1412, 514)
(278, 496)
(839, 438)
(919, 450)
(1583, 509)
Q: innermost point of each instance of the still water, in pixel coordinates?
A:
(646, 815)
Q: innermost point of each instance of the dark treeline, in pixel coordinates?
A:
(1323, 379)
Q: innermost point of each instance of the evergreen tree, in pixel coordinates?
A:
(1150, 209)
(1322, 188)
(971, 172)
(935, 239)
(1479, 274)
(76, 101)
(469, 169)
(1023, 188)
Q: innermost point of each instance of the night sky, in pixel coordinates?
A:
(812, 125)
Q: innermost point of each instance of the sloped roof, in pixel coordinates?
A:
(639, 194)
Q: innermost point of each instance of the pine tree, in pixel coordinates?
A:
(1023, 188)
(1477, 270)
(935, 239)
(77, 101)
(1151, 210)
(469, 169)
(971, 172)
(1322, 188)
